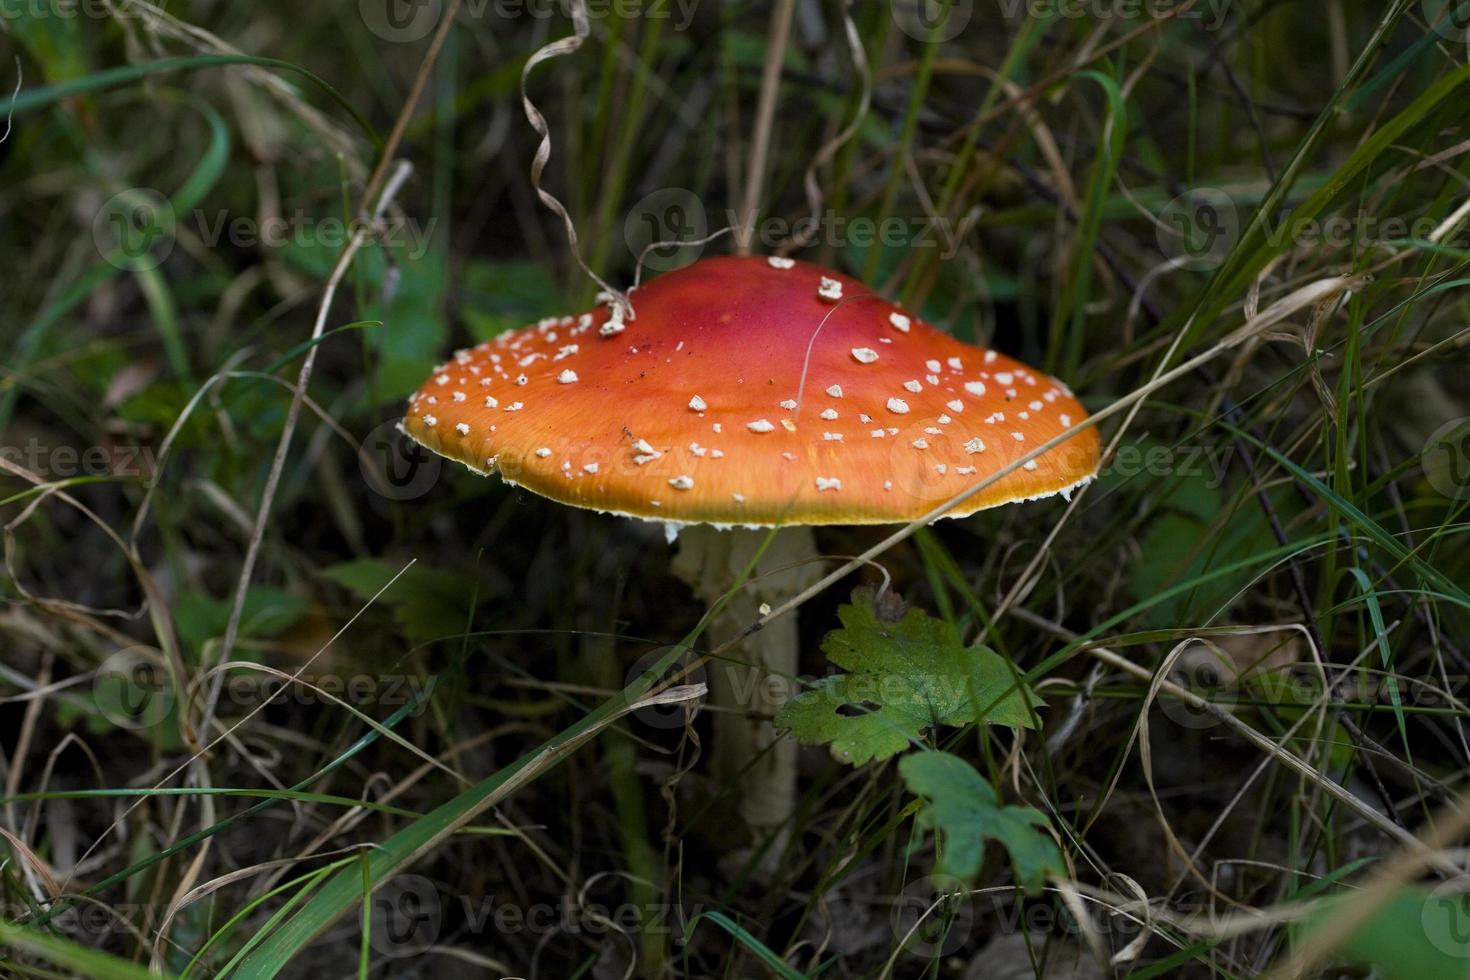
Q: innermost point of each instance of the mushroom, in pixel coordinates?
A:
(749, 393)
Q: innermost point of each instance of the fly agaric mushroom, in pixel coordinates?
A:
(748, 393)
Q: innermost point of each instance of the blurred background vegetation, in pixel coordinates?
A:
(1100, 188)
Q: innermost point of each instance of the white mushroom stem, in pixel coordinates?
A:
(758, 675)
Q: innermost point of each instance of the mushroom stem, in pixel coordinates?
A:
(757, 678)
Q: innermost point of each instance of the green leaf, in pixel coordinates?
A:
(267, 612)
(1417, 934)
(415, 330)
(1194, 530)
(962, 808)
(906, 677)
(501, 296)
(406, 297)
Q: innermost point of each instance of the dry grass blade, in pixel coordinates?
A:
(1158, 682)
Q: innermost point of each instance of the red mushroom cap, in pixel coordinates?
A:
(755, 392)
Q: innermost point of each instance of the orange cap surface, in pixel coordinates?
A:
(756, 392)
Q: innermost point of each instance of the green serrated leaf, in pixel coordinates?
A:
(962, 808)
(905, 677)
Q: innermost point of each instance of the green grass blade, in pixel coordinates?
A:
(79, 961)
(112, 77)
(1380, 631)
(742, 935)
